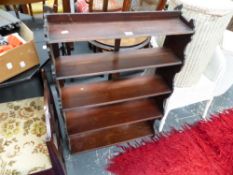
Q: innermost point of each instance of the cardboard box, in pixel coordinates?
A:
(19, 59)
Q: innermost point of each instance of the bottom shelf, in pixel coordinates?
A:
(107, 137)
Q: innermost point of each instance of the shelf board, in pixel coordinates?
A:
(108, 137)
(110, 62)
(95, 26)
(94, 119)
(110, 92)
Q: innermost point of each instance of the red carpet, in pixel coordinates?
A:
(203, 149)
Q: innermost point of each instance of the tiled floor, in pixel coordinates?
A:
(93, 163)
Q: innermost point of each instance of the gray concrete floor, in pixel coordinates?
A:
(94, 162)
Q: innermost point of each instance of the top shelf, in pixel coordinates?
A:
(94, 26)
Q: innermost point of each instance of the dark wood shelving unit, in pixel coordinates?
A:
(100, 114)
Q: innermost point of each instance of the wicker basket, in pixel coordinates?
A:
(211, 18)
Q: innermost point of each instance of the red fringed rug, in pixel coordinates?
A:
(205, 148)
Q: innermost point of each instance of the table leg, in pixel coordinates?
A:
(66, 6)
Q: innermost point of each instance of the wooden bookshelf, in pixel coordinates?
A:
(100, 114)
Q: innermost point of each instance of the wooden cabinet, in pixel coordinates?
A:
(105, 113)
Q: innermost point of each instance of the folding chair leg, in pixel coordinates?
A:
(16, 11)
(163, 120)
(159, 125)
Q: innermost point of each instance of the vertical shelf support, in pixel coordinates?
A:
(117, 46)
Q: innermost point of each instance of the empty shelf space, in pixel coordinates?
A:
(94, 119)
(110, 62)
(110, 92)
(107, 137)
(94, 26)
